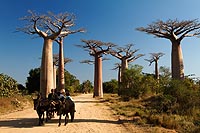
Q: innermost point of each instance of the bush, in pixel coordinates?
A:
(8, 86)
(182, 96)
(86, 87)
(131, 82)
(110, 87)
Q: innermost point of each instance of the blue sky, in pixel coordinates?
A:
(105, 20)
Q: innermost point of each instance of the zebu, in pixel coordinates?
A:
(41, 106)
(66, 106)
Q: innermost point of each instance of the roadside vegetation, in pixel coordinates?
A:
(11, 95)
(143, 100)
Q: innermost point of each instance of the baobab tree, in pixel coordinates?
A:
(154, 58)
(96, 49)
(126, 55)
(49, 27)
(175, 31)
(61, 61)
(118, 67)
(55, 63)
(56, 59)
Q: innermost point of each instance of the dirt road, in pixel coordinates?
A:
(91, 117)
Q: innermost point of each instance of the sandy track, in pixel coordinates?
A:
(91, 117)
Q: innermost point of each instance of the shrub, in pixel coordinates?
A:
(8, 86)
(111, 86)
(182, 96)
(131, 82)
(86, 87)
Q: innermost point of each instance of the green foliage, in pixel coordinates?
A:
(8, 86)
(131, 82)
(149, 85)
(86, 87)
(33, 80)
(165, 78)
(111, 86)
(185, 97)
(71, 83)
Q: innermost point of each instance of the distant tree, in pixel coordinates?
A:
(60, 75)
(55, 63)
(97, 49)
(118, 66)
(110, 86)
(154, 58)
(86, 87)
(126, 55)
(49, 27)
(175, 31)
(33, 80)
(132, 80)
(62, 61)
(71, 82)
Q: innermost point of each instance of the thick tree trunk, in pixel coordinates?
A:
(156, 70)
(124, 65)
(54, 76)
(98, 89)
(100, 86)
(119, 75)
(46, 74)
(61, 67)
(119, 81)
(177, 61)
(95, 76)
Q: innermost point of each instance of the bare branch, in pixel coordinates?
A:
(90, 62)
(154, 57)
(96, 47)
(67, 60)
(49, 24)
(117, 66)
(128, 53)
(135, 57)
(173, 29)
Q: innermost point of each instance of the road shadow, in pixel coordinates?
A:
(102, 121)
(25, 122)
(19, 123)
(96, 121)
(33, 122)
(89, 121)
(87, 101)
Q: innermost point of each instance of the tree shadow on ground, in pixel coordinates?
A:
(25, 122)
(87, 101)
(33, 122)
(19, 123)
(97, 121)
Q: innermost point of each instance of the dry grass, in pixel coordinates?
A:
(138, 112)
(15, 103)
